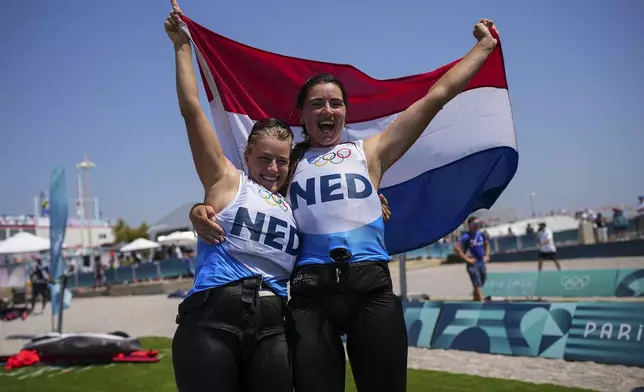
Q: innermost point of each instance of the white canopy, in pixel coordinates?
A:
(23, 242)
(179, 238)
(139, 244)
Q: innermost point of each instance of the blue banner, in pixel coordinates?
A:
(577, 283)
(421, 319)
(567, 283)
(629, 283)
(607, 333)
(54, 290)
(587, 331)
(523, 329)
(511, 284)
(58, 212)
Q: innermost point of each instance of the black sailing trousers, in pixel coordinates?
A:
(231, 339)
(355, 299)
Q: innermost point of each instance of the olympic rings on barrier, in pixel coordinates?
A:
(273, 199)
(334, 157)
(573, 283)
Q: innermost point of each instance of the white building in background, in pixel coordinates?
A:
(76, 236)
(555, 223)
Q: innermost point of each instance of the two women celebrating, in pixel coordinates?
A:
(238, 331)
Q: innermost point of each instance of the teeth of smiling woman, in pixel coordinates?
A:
(326, 125)
(270, 178)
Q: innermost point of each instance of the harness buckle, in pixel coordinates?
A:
(250, 290)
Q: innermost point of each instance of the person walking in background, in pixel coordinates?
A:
(39, 279)
(547, 248)
(529, 230)
(99, 273)
(602, 229)
(474, 248)
(620, 224)
(639, 219)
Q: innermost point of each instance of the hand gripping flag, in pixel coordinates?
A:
(463, 161)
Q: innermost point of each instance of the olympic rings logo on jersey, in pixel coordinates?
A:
(273, 199)
(331, 157)
(572, 283)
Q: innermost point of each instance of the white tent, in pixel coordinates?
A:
(179, 238)
(23, 242)
(140, 244)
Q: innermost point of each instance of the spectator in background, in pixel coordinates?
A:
(547, 248)
(620, 224)
(639, 219)
(39, 283)
(529, 230)
(592, 215)
(486, 235)
(602, 229)
(177, 252)
(99, 273)
(474, 249)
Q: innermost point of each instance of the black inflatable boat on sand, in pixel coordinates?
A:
(80, 349)
(82, 346)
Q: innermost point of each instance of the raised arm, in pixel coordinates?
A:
(384, 149)
(212, 165)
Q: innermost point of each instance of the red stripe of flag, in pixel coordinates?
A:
(263, 84)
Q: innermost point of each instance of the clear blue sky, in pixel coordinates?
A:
(97, 77)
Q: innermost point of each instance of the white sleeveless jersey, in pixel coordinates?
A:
(335, 205)
(261, 239)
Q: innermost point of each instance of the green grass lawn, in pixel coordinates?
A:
(158, 377)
